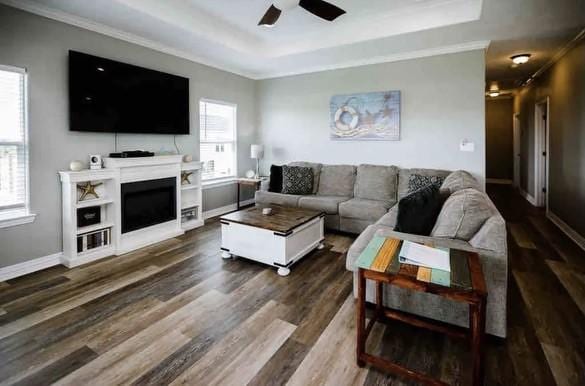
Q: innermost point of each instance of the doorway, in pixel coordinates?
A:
(517, 147)
(541, 154)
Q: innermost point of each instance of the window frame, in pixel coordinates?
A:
(216, 180)
(18, 215)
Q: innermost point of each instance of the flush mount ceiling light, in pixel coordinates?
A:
(520, 59)
(494, 94)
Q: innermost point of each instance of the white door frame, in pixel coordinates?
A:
(541, 151)
(516, 149)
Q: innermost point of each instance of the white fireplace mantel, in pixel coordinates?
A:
(118, 171)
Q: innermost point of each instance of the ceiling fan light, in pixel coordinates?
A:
(520, 59)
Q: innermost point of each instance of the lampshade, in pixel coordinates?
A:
(257, 151)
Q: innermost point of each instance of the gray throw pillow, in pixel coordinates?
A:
(297, 180)
(459, 180)
(463, 214)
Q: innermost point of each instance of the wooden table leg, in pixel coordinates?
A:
(361, 318)
(379, 299)
(477, 326)
(238, 196)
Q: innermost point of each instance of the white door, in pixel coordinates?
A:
(517, 150)
(541, 153)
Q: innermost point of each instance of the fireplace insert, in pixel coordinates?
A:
(147, 203)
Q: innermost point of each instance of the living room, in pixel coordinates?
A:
(236, 192)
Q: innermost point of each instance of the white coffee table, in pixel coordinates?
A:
(279, 239)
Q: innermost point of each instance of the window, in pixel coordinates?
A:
(13, 145)
(217, 139)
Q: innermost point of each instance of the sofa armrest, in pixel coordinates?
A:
(265, 184)
(436, 242)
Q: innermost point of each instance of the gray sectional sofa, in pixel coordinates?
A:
(363, 200)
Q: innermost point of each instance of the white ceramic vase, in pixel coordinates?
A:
(76, 166)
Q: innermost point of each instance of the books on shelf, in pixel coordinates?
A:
(431, 265)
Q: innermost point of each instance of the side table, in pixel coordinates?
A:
(467, 285)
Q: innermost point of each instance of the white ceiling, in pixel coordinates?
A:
(224, 33)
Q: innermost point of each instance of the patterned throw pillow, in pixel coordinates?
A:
(297, 180)
(418, 181)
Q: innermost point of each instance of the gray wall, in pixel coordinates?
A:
(499, 138)
(41, 46)
(442, 103)
(564, 83)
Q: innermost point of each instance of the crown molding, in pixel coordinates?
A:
(67, 18)
(435, 51)
(103, 29)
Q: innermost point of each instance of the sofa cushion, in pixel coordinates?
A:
(327, 204)
(463, 214)
(375, 182)
(459, 180)
(353, 225)
(268, 198)
(316, 172)
(297, 180)
(337, 180)
(417, 212)
(363, 209)
(404, 178)
(275, 184)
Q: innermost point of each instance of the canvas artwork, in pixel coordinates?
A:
(373, 116)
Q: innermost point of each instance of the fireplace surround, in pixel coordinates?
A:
(139, 201)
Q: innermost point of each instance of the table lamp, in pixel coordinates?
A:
(257, 152)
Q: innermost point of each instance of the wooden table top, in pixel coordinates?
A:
(281, 220)
(466, 276)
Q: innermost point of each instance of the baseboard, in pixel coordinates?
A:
(563, 226)
(500, 181)
(225, 209)
(528, 197)
(24, 268)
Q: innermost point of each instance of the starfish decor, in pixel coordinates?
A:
(88, 189)
(185, 178)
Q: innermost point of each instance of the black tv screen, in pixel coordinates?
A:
(108, 96)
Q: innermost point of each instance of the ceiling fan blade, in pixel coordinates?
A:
(270, 17)
(322, 9)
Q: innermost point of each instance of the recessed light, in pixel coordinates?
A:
(520, 59)
(101, 69)
(494, 94)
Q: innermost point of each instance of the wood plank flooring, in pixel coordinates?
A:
(176, 313)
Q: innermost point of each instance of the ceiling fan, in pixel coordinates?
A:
(319, 8)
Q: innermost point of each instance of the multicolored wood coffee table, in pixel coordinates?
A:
(380, 263)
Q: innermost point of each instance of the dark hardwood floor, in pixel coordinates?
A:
(177, 313)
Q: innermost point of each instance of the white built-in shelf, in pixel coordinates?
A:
(95, 227)
(191, 224)
(92, 255)
(95, 202)
(87, 175)
(189, 187)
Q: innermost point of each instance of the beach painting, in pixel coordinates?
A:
(373, 116)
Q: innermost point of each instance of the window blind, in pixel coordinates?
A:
(13, 141)
(217, 134)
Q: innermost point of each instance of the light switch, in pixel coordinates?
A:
(467, 145)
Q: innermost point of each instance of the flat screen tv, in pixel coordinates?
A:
(112, 97)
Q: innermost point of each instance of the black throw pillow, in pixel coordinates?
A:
(275, 184)
(418, 212)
